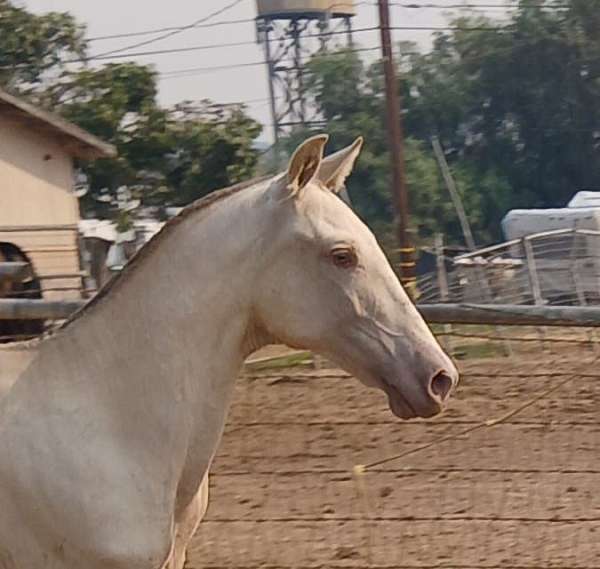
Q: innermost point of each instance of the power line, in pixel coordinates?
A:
(101, 57)
(162, 30)
(110, 56)
(243, 102)
(162, 51)
(497, 29)
(200, 24)
(170, 31)
(509, 5)
(118, 53)
(177, 30)
(190, 72)
(503, 29)
(176, 74)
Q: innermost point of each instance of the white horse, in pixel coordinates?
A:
(110, 428)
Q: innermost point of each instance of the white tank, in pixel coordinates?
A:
(283, 8)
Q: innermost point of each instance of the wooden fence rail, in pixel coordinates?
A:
(511, 315)
(501, 314)
(25, 309)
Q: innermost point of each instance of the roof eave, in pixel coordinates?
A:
(80, 143)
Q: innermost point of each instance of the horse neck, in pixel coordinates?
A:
(167, 343)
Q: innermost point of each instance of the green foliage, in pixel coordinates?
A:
(214, 149)
(166, 156)
(519, 105)
(515, 103)
(349, 96)
(32, 47)
(117, 103)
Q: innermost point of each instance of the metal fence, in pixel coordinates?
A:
(554, 268)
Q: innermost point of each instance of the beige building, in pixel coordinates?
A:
(39, 212)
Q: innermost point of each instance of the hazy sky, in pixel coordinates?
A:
(107, 17)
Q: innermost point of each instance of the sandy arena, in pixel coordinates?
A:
(523, 494)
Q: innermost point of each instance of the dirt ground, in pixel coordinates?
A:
(523, 494)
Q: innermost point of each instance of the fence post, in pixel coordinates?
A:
(534, 281)
(454, 195)
(574, 265)
(577, 281)
(442, 278)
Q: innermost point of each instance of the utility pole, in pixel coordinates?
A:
(454, 195)
(394, 124)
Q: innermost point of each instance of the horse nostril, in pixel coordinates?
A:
(441, 386)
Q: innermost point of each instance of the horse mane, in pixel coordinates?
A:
(148, 249)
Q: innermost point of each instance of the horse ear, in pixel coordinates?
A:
(336, 168)
(305, 163)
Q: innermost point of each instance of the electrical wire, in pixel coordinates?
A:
(191, 71)
(103, 57)
(116, 54)
(162, 30)
(509, 5)
(175, 31)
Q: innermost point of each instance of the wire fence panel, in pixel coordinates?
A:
(555, 268)
(518, 492)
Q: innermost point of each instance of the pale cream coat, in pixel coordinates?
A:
(108, 427)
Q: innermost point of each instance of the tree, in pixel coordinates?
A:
(165, 156)
(213, 148)
(35, 47)
(349, 97)
(515, 102)
(116, 102)
(518, 101)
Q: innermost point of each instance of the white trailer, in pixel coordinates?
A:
(585, 198)
(560, 248)
(520, 223)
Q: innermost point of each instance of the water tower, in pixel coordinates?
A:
(292, 32)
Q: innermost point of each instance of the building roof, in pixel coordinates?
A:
(78, 142)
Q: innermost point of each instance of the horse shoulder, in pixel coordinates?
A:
(78, 529)
(97, 507)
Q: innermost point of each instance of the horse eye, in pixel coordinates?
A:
(344, 258)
